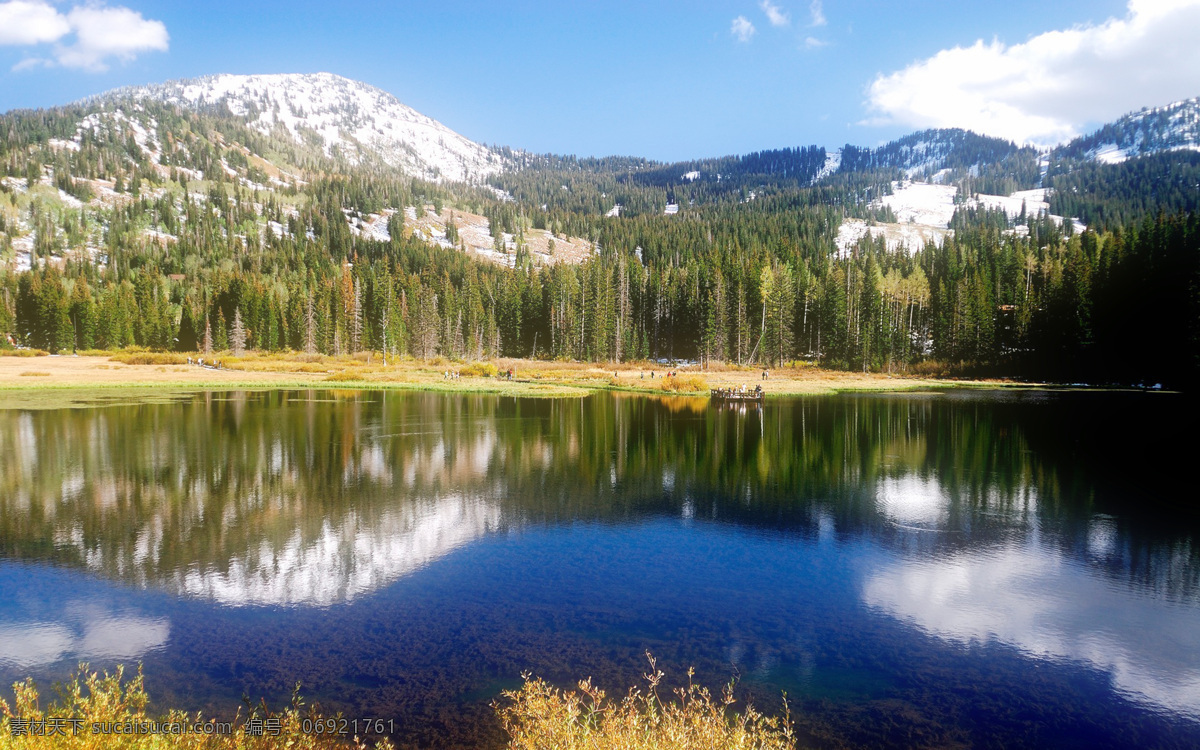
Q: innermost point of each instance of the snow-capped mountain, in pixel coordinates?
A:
(351, 118)
(1149, 131)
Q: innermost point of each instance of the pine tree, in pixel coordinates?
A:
(83, 314)
(186, 339)
(778, 292)
(221, 342)
(208, 337)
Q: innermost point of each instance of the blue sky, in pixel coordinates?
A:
(666, 80)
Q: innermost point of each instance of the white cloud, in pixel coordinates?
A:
(100, 33)
(742, 29)
(29, 63)
(775, 15)
(1044, 90)
(24, 22)
(812, 42)
(103, 32)
(816, 13)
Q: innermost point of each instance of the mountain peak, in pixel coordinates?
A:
(352, 119)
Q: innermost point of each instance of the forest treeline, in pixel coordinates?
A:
(207, 252)
(1117, 306)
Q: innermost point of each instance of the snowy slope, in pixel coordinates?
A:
(924, 211)
(1154, 130)
(921, 203)
(1035, 202)
(833, 161)
(360, 121)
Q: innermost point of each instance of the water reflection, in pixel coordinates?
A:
(497, 534)
(344, 560)
(318, 498)
(84, 631)
(1050, 606)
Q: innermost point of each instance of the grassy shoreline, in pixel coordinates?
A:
(97, 378)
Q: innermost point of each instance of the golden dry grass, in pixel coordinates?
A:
(150, 358)
(541, 717)
(23, 353)
(92, 707)
(479, 370)
(532, 377)
(683, 384)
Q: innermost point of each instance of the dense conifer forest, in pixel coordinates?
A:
(744, 269)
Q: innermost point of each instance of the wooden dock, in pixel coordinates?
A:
(729, 395)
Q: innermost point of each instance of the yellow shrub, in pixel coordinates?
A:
(23, 353)
(346, 376)
(90, 702)
(540, 716)
(683, 384)
(480, 370)
(150, 358)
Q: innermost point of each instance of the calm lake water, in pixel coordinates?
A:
(1017, 569)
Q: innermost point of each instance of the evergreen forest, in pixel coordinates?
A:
(233, 239)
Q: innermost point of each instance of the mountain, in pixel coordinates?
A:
(346, 118)
(312, 213)
(1147, 132)
(930, 152)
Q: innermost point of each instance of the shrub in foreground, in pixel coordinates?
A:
(107, 712)
(541, 717)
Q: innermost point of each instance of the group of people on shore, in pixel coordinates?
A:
(213, 365)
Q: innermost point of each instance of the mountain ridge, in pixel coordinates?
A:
(358, 121)
(364, 124)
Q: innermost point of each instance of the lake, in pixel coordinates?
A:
(1011, 569)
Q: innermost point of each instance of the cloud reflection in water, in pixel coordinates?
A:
(1028, 593)
(84, 633)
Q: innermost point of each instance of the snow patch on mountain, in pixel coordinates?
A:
(833, 161)
(1108, 153)
(1035, 202)
(911, 237)
(921, 203)
(352, 119)
(1175, 127)
(924, 211)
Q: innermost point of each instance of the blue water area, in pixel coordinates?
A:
(932, 570)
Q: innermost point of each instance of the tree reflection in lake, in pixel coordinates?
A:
(411, 553)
